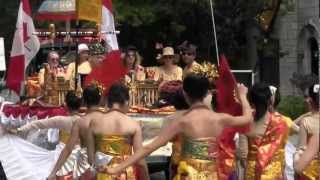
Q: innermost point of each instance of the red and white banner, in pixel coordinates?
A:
(112, 69)
(108, 24)
(24, 47)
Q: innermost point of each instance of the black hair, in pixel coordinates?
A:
(73, 101)
(118, 93)
(195, 86)
(314, 96)
(178, 100)
(259, 96)
(91, 96)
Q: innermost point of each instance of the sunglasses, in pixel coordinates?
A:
(167, 57)
(131, 55)
(188, 54)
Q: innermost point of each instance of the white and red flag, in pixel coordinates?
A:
(24, 47)
(108, 24)
(112, 69)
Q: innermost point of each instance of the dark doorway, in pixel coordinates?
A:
(269, 62)
(314, 48)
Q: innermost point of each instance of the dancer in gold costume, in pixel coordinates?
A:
(116, 135)
(199, 128)
(266, 139)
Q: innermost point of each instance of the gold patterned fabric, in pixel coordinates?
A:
(64, 136)
(266, 158)
(120, 148)
(196, 163)
(312, 171)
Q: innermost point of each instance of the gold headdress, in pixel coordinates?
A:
(99, 86)
(206, 69)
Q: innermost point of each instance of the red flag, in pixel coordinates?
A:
(24, 47)
(112, 69)
(109, 72)
(226, 103)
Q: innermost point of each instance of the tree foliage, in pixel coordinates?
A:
(144, 22)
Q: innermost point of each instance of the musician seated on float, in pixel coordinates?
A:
(132, 61)
(168, 71)
(84, 66)
(53, 65)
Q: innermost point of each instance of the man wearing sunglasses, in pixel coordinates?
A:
(188, 56)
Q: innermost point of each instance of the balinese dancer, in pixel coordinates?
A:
(116, 135)
(73, 167)
(198, 127)
(91, 97)
(266, 139)
(306, 159)
(175, 98)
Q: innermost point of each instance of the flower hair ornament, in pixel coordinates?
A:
(273, 90)
(206, 70)
(100, 86)
(316, 88)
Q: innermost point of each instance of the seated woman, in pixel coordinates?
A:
(306, 159)
(199, 128)
(116, 135)
(132, 61)
(168, 71)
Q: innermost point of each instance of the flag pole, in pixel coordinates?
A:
(214, 32)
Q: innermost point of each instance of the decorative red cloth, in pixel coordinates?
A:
(39, 112)
(110, 71)
(226, 84)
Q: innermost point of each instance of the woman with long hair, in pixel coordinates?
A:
(265, 158)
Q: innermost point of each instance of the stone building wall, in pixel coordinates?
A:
(294, 30)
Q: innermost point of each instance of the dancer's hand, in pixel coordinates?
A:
(13, 131)
(51, 177)
(112, 170)
(241, 91)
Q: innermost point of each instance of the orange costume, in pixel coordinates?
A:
(266, 158)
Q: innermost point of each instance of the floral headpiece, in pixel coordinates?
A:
(206, 69)
(99, 86)
(97, 49)
(316, 88)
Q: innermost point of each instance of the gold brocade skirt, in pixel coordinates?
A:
(312, 171)
(128, 174)
(274, 171)
(195, 169)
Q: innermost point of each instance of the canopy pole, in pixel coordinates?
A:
(214, 32)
